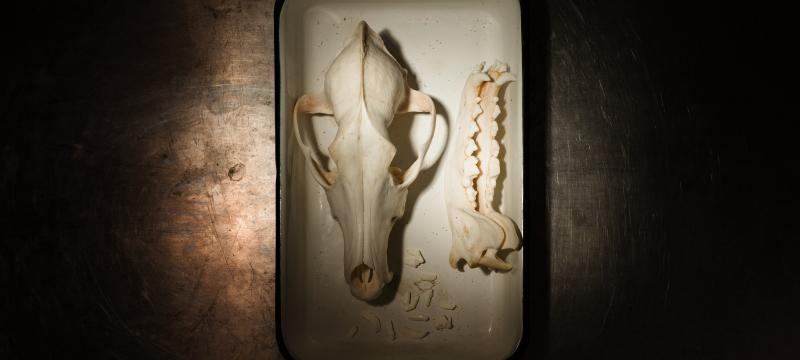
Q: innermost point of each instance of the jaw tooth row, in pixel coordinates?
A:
(478, 230)
(471, 170)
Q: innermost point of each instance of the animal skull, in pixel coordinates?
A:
(471, 175)
(364, 88)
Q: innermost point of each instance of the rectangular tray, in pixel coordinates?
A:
(439, 42)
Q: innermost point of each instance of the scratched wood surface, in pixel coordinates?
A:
(138, 177)
(153, 176)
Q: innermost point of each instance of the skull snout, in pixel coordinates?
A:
(365, 283)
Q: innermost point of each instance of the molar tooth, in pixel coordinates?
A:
(471, 147)
(494, 170)
(471, 168)
(493, 128)
(496, 112)
(495, 150)
(477, 99)
(473, 128)
(471, 193)
(477, 111)
(495, 99)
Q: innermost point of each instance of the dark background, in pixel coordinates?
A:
(661, 214)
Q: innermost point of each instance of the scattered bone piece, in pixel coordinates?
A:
(353, 331)
(392, 332)
(412, 304)
(447, 304)
(424, 285)
(443, 322)
(413, 334)
(428, 277)
(426, 297)
(413, 258)
(374, 319)
(419, 317)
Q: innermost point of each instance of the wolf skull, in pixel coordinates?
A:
(364, 88)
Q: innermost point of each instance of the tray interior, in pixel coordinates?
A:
(439, 42)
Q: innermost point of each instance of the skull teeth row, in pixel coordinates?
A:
(471, 163)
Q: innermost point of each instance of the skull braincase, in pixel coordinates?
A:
(364, 88)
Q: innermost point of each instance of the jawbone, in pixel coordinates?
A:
(473, 166)
(364, 88)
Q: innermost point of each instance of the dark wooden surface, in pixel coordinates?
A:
(661, 194)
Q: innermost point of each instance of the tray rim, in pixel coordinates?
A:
(528, 103)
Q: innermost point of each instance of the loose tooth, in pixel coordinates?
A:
(419, 317)
(447, 304)
(443, 322)
(413, 334)
(413, 258)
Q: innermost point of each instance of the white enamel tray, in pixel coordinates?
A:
(439, 42)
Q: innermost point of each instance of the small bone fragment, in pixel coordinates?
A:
(353, 331)
(426, 297)
(447, 304)
(424, 285)
(374, 319)
(443, 322)
(413, 258)
(412, 334)
(412, 304)
(428, 276)
(419, 317)
(392, 332)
